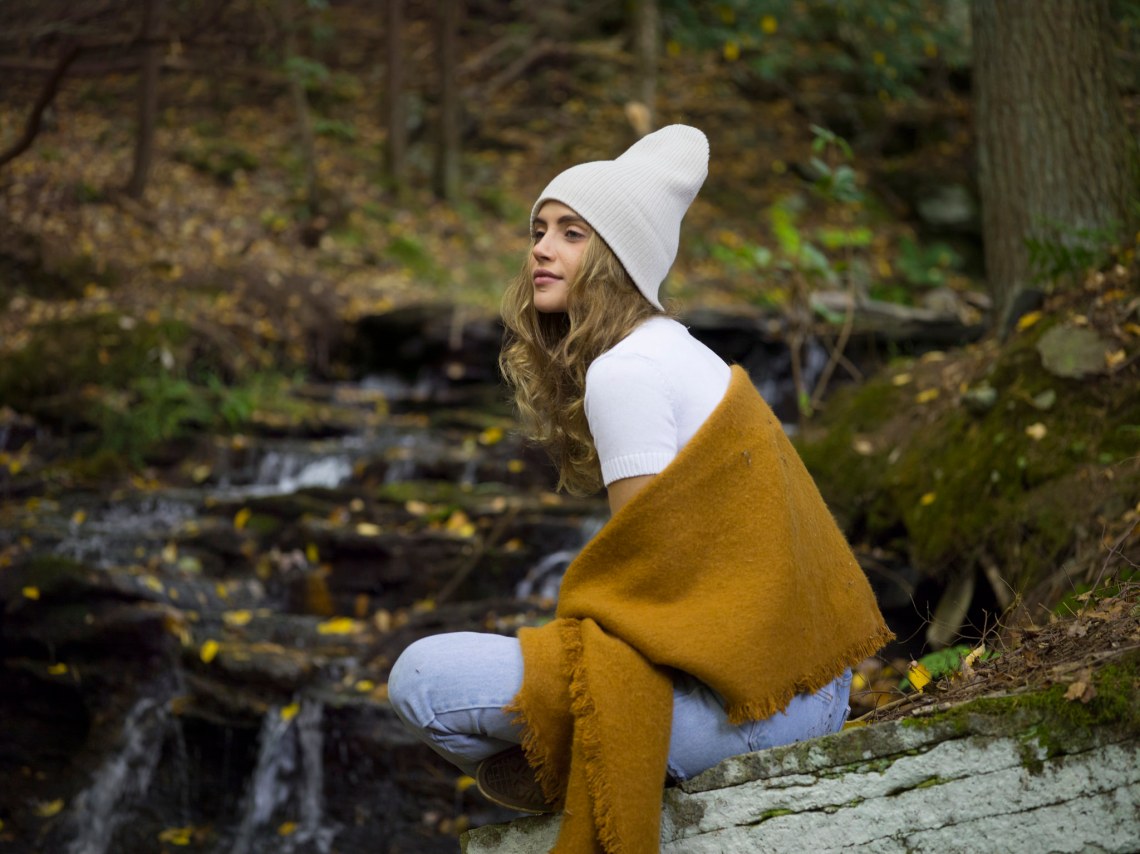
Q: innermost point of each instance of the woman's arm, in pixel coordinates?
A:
(621, 491)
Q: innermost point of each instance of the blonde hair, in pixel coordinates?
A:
(545, 357)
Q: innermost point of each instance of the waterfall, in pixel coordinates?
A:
(105, 804)
(289, 770)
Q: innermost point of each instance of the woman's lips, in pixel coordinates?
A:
(545, 277)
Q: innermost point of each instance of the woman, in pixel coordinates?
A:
(718, 611)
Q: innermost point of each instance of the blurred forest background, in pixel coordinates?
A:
(252, 441)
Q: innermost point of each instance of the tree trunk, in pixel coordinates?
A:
(446, 182)
(1052, 142)
(646, 38)
(301, 109)
(153, 14)
(396, 149)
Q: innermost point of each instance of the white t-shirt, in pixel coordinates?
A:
(648, 395)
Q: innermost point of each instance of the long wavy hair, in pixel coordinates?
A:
(545, 357)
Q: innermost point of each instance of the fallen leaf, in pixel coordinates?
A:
(1036, 432)
(49, 808)
(1027, 320)
(32, 593)
(367, 529)
(901, 379)
(287, 828)
(241, 518)
(237, 618)
(918, 675)
(928, 499)
(209, 651)
(926, 396)
(176, 835)
(289, 712)
(338, 626)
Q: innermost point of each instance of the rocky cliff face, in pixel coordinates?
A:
(1022, 773)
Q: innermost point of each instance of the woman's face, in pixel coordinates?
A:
(560, 238)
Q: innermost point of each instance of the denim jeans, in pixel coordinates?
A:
(450, 691)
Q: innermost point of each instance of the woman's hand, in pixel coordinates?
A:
(621, 491)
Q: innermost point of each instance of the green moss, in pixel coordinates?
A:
(767, 814)
(1054, 725)
(1014, 482)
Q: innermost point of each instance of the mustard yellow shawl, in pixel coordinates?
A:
(727, 566)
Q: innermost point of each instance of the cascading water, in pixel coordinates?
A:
(123, 779)
(545, 578)
(289, 773)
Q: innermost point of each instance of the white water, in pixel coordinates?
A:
(123, 779)
(289, 770)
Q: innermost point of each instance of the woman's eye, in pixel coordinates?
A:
(537, 236)
(574, 235)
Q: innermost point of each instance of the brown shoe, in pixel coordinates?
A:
(507, 779)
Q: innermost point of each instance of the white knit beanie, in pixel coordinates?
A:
(636, 202)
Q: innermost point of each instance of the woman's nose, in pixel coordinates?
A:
(541, 249)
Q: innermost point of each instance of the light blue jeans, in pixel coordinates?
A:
(450, 691)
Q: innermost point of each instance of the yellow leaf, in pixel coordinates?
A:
(338, 626)
(312, 553)
(491, 436)
(153, 583)
(1114, 359)
(901, 379)
(928, 499)
(918, 675)
(464, 783)
(971, 659)
(926, 396)
(241, 518)
(78, 517)
(287, 828)
(209, 651)
(289, 712)
(365, 685)
(57, 669)
(1036, 432)
(731, 51)
(1027, 320)
(417, 508)
(222, 591)
(32, 593)
(237, 618)
(858, 682)
(863, 447)
(422, 605)
(367, 529)
(199, 474)
(170, 553)
(769, 25)
(515, 466)
(49, 808)
(176, 835)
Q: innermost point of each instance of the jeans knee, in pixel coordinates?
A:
(408, 679)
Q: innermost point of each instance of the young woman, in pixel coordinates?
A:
(718, 612)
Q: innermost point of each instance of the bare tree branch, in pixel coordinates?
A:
(47, 95)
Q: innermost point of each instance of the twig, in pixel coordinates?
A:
(47, 95)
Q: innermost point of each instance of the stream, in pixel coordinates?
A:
(200, 665)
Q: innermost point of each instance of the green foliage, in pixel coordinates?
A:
(219, 158)
(1061, 250)
(925, 266)
(335, 129)
(886, 45)
(308, 72)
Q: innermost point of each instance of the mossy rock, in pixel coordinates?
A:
(1020, 483)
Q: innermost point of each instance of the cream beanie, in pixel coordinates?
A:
(636, 202)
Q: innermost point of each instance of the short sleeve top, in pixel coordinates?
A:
(647, 396)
